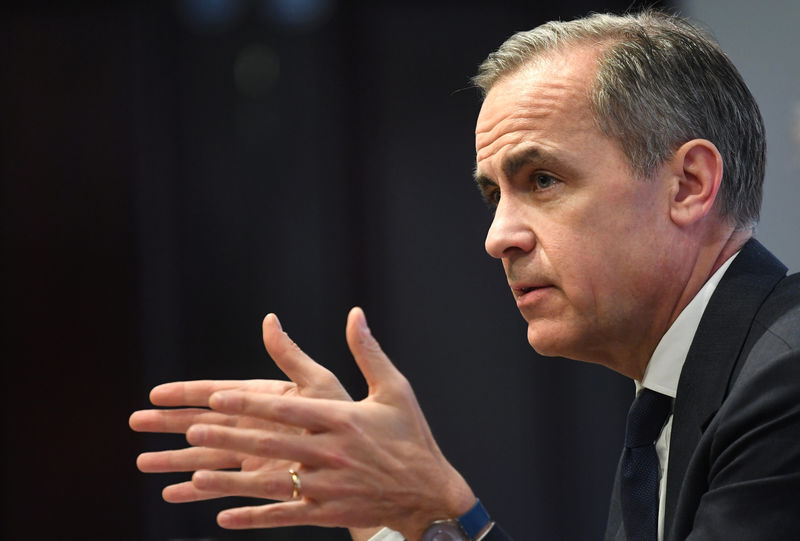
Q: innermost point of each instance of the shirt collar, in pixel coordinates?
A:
(664, 368)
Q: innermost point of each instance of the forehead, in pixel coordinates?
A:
(550, 93)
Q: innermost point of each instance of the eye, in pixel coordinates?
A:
(491, 195)
(542, 181)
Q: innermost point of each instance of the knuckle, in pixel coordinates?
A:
(280, 515)
(346, 423)
(281, 410)
(269, 486)
(264, 444)
(400, 386)
(324, 379)
(336, 459)
(325, 376)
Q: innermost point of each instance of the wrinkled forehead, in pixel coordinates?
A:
(551, 91)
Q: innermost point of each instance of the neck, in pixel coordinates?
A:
(710, 257)
(733, 244)
(707, 257)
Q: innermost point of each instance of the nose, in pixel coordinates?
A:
(510, 232)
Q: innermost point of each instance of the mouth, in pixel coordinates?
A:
(522, 290)
(529, 294)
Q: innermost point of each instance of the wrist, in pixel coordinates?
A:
(473, 525)
(454, 502)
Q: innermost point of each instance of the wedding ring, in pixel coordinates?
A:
(296, 485)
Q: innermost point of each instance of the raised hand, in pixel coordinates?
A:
(362, 464)
(308, 379)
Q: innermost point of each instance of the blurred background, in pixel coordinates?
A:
(173, 171)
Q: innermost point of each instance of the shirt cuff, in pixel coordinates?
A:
(387, 535)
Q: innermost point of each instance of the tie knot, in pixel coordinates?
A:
(646, 418)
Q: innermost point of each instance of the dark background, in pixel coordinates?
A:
(172, 171)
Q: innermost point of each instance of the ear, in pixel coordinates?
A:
(697, 170)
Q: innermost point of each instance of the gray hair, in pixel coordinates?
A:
(661, 81)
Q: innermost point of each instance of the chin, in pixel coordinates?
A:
(551, 342)
(545, 343)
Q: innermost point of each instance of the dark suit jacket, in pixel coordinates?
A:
(734, 458)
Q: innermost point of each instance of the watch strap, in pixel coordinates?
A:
(474, 521)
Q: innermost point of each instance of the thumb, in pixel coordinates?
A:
(378, 370)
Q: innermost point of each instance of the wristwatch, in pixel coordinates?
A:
(471, 526)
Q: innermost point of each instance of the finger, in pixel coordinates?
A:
(374, 364)
(196, 393)
(187, 492)
(292, 513)
(299, 367)
(189, 459)
(261, 443)
(314, 414)
(270, 485)
(176, 421)
(285, 352)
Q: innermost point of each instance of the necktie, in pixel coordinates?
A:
(639, 471)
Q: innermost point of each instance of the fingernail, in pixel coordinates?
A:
(219, 400)
(278, 321)
(363, 324)
(225, 519)
(197, 434)
(200, 479)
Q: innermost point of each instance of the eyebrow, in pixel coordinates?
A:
(515, 162)
(482, 181)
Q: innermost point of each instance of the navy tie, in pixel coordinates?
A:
(639, 472)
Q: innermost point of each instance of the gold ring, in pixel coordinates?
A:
(296, 485)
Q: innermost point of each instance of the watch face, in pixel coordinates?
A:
(444, 531)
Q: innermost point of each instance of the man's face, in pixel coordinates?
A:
(584, 242)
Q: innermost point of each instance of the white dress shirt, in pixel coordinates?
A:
(662, 374)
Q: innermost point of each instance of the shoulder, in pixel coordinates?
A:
(779, 317)
(774, 338)
(766, 382)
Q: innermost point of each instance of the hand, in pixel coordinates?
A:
(308, 379)
(364, 464)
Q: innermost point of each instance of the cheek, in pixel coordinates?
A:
(610, 244)
(594, 272)
(595, 250)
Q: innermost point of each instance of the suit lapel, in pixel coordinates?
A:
(713, 355)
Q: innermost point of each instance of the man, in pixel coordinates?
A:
(624, 158)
